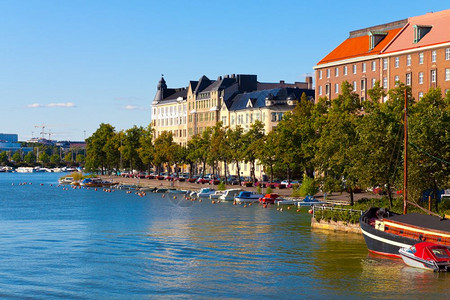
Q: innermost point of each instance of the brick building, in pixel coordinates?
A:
(415, 51)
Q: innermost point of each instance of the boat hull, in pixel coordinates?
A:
(383, 243)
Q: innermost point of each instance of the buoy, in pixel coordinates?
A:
(250, 204)
(163, 195)
(281, 209)
(245, 205)
(234, 203)
(95, 189)
(289, 207)
(213, 202)
(310, 211)
(174, 197)
(265, 205)
(199, 200)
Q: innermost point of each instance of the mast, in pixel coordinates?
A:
(405, 159)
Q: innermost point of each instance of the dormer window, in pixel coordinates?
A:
(420, 31)
(375, 37)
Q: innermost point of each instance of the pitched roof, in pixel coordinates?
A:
(258, 98)
(203, 82)
(358, 46)
(220, 84)
(439, 33)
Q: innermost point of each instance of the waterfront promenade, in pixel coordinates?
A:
(339, 198)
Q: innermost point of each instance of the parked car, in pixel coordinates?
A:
(233, 180)
(289, 184)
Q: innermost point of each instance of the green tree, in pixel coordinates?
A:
(429, 144)
(54, 159)
(30, 158)
(236, 145)
(267, 151)
(130, 146)
(44, 158)
(334, 156)
(16, 157)
(252, 141)
(163, 154)
(4, 157)
(68, 157)
(80, 158)
(95, 151)
(146, 149)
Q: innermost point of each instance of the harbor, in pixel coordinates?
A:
(59, 242)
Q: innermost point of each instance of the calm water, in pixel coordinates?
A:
(86, 244)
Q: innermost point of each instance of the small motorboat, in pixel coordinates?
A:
(287, 202)
(216, 195)
(269, 198)
(230, 194)
(426, 255)
(66, 180)
(247, 197)
(310, 201)
(203, 193)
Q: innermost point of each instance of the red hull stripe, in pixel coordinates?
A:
(385, 254)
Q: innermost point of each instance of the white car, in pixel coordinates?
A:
(285, 182)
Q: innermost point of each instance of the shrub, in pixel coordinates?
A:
(269, 190)
(258, 189)
(221, 186)
(308, 187)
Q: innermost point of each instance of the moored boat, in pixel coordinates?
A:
(427, 256)
(216, 195)
(247, 197)
(230, 194)
(66, 180)
(269, 198)
(386, 232)
(310, 201)
(203, 193)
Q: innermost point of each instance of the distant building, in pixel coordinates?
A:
(415, 51)
(9, 143)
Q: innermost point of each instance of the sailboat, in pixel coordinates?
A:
(386, 232)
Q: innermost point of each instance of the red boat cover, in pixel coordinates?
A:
(431, 251)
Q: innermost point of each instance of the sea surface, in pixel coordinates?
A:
(86, 244)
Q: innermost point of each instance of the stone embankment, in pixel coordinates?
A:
(336, 226)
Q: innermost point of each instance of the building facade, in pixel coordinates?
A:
(412, 51)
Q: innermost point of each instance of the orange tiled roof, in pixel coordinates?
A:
(439, 33)
(357, 46)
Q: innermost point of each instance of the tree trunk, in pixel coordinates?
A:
(352, 201)
(238, 172)
(225, 171)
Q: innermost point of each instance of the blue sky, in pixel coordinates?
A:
(71, 65)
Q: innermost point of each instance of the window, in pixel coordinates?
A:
(354, 69)
(354, 86)
(320, 90)
(336, 72)
(408, 79)
(363, 84)
(447, 54)
(408, 60)
(274, 117)
(374, 80)
(385, 63)
(385, 82)
(374, 65)
(421, 58)
(364, 67)
(336, 88)
(433, 56)
(420, 77)
(328, 73)
(232, 120)
(397, 62)
(327, 89)
(320, 74)
(447, 74)
(420, 95)
(396, 79)
(345, 70)
(433, 75)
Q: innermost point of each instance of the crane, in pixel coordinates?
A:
(42, 133)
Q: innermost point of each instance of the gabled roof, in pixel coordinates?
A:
(439, 33)
(203, 82)
(220, 84)
(358, 46)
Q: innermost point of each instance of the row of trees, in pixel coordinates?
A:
(344, 143)
(47, 156)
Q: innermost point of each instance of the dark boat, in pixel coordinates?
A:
(386, 232)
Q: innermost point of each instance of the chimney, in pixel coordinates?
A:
(281, 81)
(233, 75)
(309, 82)
(219, 78)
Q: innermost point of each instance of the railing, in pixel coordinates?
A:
(331, 208)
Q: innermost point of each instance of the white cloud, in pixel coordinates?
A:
(67, 104)
(130, 107)
(34, 105)
(61, 104)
